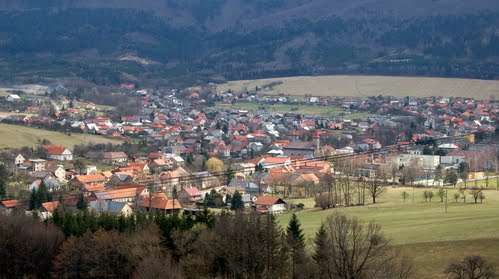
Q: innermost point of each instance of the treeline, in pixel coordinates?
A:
(83, 245)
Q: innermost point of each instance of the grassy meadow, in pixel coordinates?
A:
(422, 229)
(15, 136)
(364, 86)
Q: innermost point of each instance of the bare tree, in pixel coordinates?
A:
(352, 249)
(375, 187)
(476, 192)
(471, 267)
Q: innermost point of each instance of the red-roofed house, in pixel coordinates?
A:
(270, 204)
(9, 205)
(160, 202)
(58, 152)
(190, 195)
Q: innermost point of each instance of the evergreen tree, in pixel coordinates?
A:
(237, 201)
(296, 243)
(321, 253)
(4, 175)
(82, 203)
(2, 191)
(33, 200)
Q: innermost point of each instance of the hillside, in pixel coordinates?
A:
(166, 41)
(363, 86)
(14, 136)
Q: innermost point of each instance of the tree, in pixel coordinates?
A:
(82, 203)
(4, 176)
(323, 201)
(441, 194)
(375, 188)
(471, 267)
(481, 196)
(236, 201)
(476, 192)
(438, 174)
(296, 244)
(214, 165)
(430, 195)
(464, 170)
(79, 165)
(451, 177)
(405, 195)
(357, 250)
(322, 254)
(27, 247)
(457, 196)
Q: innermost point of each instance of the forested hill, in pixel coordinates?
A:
(197, 40)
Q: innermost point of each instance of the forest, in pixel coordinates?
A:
(228, 245)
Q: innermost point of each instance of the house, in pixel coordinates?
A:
(38, 165)
(9, 205)
(190, 195)
(13, 98)
(58, 152)
(50, 207)
(123, 193)
(159, 202)
(111, 207)
(299, 148)
(115, 158)
(19, 160)
(270, 204)
(82, 180)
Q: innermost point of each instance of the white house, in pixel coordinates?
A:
(58, 152)
(19, 160)
(13, 98)
(270, 204)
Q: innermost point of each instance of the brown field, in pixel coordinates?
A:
(363, 86)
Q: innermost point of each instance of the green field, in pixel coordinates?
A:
(327, 111)
(364, 86)
(423, 230)
(15, 136)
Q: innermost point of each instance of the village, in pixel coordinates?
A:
(185, 150)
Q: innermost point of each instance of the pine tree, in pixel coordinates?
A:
(4, 175)
(296, 243)
(237, 201)
(321, 253)
(33, 200)
(2, 190)
(82, 203)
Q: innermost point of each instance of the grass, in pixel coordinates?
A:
(328, 111)
(481, 183)
(423, 230)
(363, 86)
(15, 136)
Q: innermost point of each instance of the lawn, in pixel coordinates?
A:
(15, 136)
(327, 111)
(421, 229)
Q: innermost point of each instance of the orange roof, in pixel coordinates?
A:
(50, 206)
(160, 201)
(275, 160)
(120, 192)
(10, 203)
(90, 178)
(54, 149)
(268, 200)
(94, 187)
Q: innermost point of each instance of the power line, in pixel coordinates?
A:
(333, 158)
